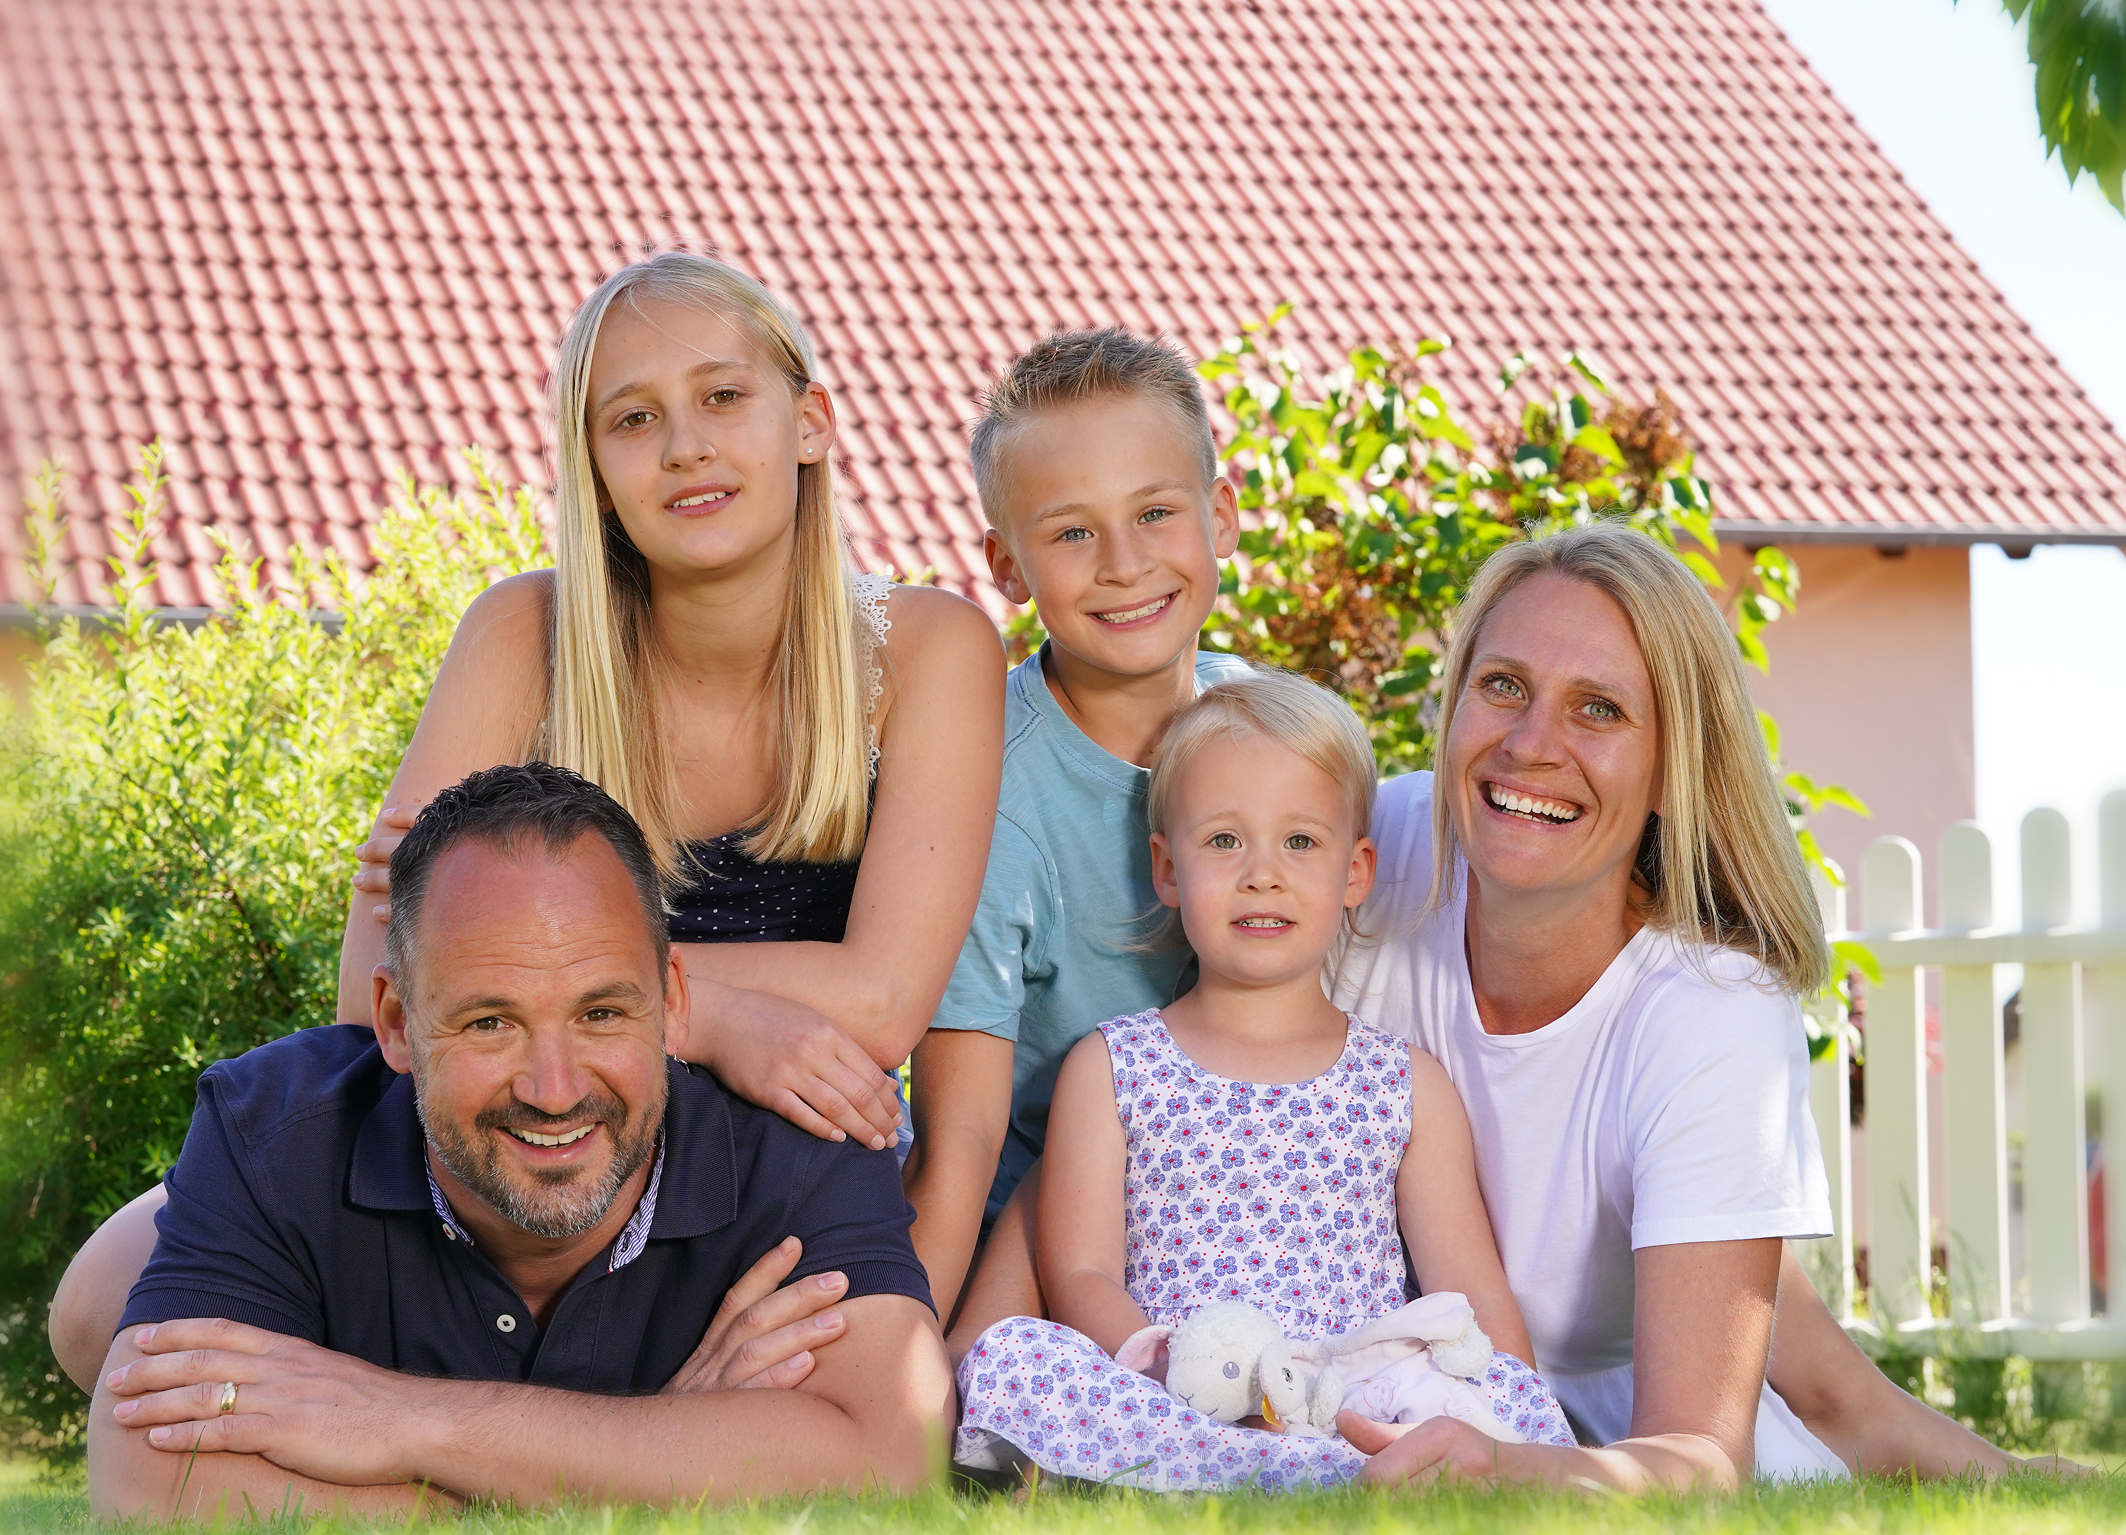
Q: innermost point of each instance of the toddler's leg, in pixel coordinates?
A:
(1005, 1282)
(1524, 1402)
(91, 1296)
(1052, 1395)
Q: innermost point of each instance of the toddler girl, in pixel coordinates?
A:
(1248, 1142)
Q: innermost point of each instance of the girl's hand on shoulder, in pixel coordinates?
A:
(793, 1061)
(373, 858)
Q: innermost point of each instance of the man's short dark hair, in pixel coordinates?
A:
(504, 807)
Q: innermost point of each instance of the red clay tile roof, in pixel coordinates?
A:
(308, 241)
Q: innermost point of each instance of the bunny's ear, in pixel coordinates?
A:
(1141, 1348)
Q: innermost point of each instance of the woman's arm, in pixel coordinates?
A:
(486, 703)
(1865, 1418)
(1702, 1326)
(1442, 1210)
(941, 749)
(1079, 1232)
(962, 1106)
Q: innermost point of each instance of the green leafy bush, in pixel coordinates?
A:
(180, 807)
(1369, 508)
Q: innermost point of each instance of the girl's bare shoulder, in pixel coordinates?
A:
(1429, 1083)
(931, 626)
(504, 631)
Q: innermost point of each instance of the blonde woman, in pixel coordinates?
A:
(1594, 916)
(813, 753)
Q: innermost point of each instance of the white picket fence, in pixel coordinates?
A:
(2048, 1317)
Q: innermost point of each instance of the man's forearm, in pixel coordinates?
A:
(131, 1480)
(532, 1445)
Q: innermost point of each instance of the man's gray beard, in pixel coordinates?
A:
(572, 1208)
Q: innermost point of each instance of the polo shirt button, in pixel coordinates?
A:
(506, 1322)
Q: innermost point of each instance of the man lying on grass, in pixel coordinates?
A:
(500, 1246)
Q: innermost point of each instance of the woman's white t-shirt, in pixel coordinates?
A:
(1671, 1104)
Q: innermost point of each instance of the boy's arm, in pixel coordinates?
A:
(1442, 1212)
(963, 1065)
(1080, 1235)
(962, 1106)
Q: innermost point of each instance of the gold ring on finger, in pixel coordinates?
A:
(228, 1399)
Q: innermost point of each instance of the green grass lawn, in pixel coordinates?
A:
(28, 1503)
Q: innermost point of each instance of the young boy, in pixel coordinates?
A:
(1100, 484)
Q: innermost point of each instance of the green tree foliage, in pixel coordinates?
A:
(180, 807)
(2079, 48)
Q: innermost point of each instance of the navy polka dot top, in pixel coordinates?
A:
(736, 898)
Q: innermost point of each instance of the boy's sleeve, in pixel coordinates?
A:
(1005, 944)
(218, 1253)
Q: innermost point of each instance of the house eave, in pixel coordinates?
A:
(21, 618)
(2016, 540)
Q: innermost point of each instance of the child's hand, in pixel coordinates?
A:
(373, 868)
(794, 1062)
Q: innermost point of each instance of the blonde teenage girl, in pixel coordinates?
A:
(1250, 1142)
(813, 753)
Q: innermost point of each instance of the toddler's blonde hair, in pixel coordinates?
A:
(1298, 715)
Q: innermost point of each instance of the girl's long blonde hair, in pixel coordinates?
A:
(1720, 865)
(603, 698)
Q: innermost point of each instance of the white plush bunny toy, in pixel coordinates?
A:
(1230, 1361)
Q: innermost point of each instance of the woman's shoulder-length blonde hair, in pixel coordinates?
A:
(1721, 865)
(603, 694)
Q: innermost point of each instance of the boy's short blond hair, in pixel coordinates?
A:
(1282, 707)
(1074, 365)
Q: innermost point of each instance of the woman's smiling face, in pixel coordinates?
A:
(697, 436)
(1553, 760)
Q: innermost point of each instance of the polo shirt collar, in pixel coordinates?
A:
(627, 1246)
(693, 1186)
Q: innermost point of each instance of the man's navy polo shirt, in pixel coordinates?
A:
(301, 1204)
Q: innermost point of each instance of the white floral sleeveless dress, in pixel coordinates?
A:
(1282, 1196)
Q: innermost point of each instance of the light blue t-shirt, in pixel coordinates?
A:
(1055, 949)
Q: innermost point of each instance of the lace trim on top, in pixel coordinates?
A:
(869, 593)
